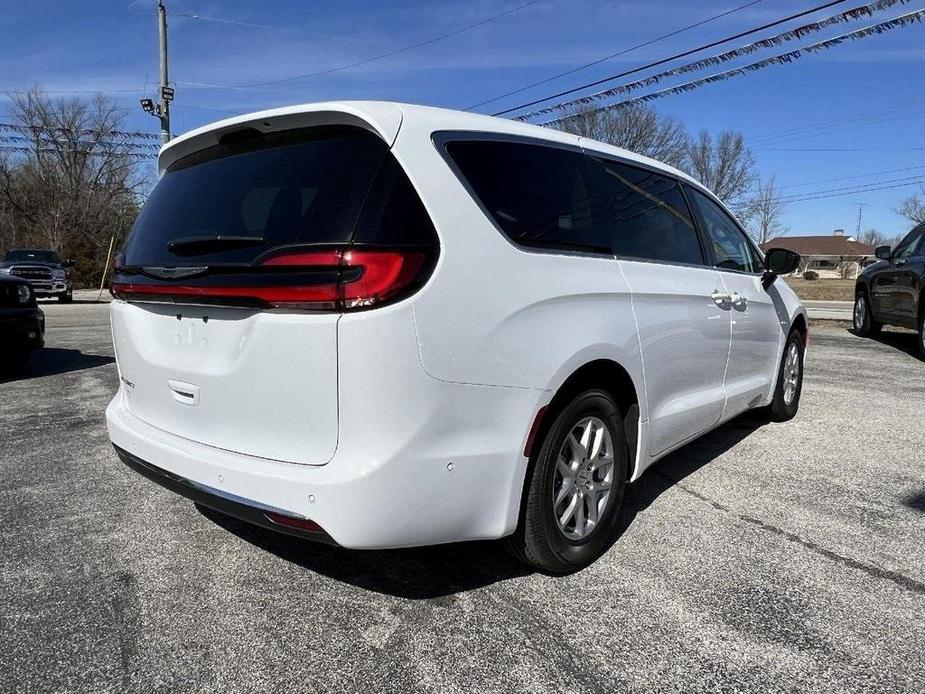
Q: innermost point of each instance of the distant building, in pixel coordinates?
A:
(835, 256)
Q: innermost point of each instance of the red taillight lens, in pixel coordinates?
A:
(365, 277)
(305, 524)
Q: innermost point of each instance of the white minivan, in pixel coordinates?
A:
(382, 325)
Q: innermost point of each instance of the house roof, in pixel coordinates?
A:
(819, 245)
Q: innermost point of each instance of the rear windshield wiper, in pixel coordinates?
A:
(196, 245)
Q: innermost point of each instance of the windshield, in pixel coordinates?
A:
(231, 203)
(32, 257)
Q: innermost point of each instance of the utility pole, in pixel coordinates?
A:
(161, 109)
(165, 102)
(861, 206)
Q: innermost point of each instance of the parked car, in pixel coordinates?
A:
(43, 269)
(382, 325)
(892, 291)
(22, 324)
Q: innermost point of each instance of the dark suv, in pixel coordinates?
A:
(22, 324)
(44, 270)
(892, 291)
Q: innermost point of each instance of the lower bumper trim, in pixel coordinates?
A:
(232, 505)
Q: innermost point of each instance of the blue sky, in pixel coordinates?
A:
(870, 92)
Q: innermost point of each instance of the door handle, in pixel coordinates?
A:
(900, 262)
(720, 298)
(738, 301)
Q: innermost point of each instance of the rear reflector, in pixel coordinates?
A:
(534, 430)
(366, 277)
(305, 524)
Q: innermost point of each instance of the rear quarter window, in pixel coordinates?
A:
(539, 196)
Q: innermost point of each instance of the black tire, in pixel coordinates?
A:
(538, 540)
(867, 326)
(781, 408)
(922, 331)
(67, 297)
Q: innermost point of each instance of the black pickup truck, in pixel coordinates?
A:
(22, 324)
(44, 270)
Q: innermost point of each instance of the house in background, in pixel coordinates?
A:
(834, 257)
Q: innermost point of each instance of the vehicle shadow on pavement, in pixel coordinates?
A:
(425, 573)
(51, 361)
(916, 502)
(434, 573)
(903, 341)
(675, 467)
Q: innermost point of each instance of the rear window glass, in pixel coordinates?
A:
(302, 187)
(538, 196)
(649, 215)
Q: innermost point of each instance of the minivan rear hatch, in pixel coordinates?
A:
(234, 277)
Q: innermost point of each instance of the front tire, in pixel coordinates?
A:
(575, 490)
(67, 297)
(864, 323)
(789, 387)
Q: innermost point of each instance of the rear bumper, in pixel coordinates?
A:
(467, 487)
(243, 509)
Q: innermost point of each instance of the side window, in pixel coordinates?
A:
(538, 196)
(648, 215)
(731, 248)
(911, 245)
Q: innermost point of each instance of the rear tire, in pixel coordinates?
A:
(864, 323)
(922, 332)
(789, 387)
(579, 475)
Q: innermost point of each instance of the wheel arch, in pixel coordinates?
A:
(608, 375)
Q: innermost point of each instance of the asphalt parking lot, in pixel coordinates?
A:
(763, 557)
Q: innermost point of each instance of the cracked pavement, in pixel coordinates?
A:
(761, 557)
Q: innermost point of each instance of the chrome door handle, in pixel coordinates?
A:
(738, 301)
(720, 298)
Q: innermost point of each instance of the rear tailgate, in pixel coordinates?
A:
(258, 383)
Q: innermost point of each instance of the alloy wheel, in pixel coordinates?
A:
(583, 478)
(791, 373)
(860, 309)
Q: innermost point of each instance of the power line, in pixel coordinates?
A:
(389, 54)
(615, 55)
(857, 187)
(848, 178)
(850, 192)
(830, 122)
(676, 56)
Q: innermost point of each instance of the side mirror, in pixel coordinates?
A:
(778, 261)
(883, 252)
(68, 263)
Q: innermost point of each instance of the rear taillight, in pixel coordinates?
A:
(353, 279)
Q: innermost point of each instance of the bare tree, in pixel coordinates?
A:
(913, 207)
(69, 177)
(726, 167)
(764, 211)
(637, 127)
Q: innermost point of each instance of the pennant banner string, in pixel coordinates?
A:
(784, 58)
(741, 51)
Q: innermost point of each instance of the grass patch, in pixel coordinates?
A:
(823, 290)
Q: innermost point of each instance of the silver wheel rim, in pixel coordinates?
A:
(791, 373)
(584, 478)
(859, 310)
